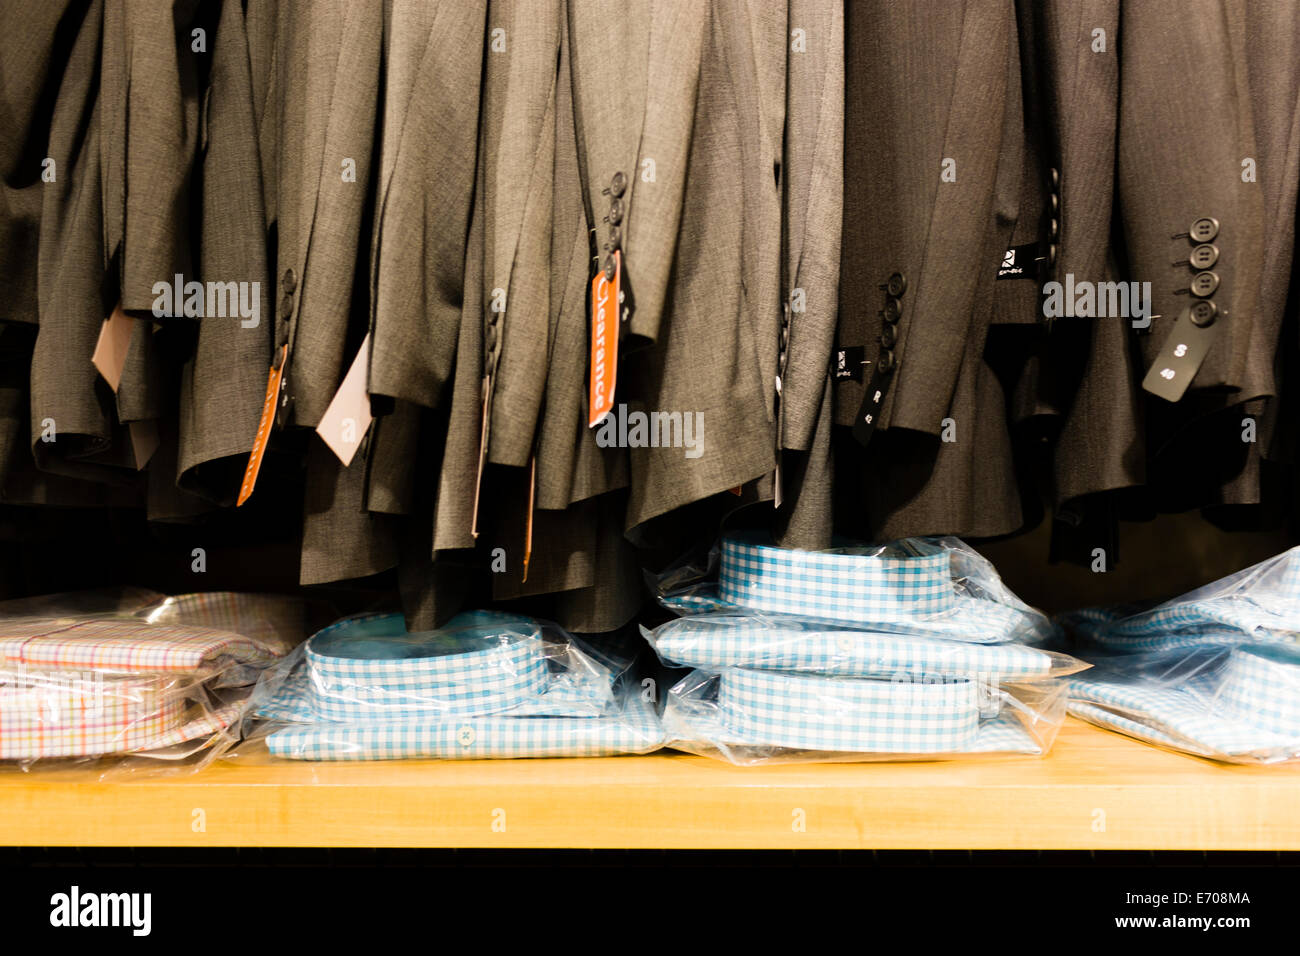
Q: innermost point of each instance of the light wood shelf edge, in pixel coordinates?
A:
(1095, 791)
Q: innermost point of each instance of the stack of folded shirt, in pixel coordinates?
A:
(486, 685)
(908, 649)
(1215, 673)
(133, 672)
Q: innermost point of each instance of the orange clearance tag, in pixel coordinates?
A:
(604, 342)
(263, 427)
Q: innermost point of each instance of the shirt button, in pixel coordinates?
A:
(886, 364)
(1056, 204)
(845, 643)
(1204, 256)
(608, 267)
(288, 281)
(465, 736)
(1204, 284)
(492, 336)
(1204, 229)
(893, 310)
(897, 284)
(1054, 228)
(618, 184)
(1056, 177)
(1203, 313)
(1051, 254)
(616, 211)
(888, 336)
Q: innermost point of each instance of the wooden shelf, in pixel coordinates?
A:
(1095, 791)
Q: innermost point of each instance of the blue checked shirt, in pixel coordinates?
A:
(771, 642)
(895, 650)
(755, 716)
(486, 685)
(1239, 703)
(931, 587)
(630, 726)
(1259, 604)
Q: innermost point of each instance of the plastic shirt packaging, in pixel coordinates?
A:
(486, 685)
(150, 682)
(1260, 604)
(909, 650)
(1214, 673)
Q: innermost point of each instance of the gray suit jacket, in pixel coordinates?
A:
(906, 61)
(73, 424)
(813, 178)
(432, 73)
(658, 93)
(1219, 141)
(223, 383)
(934, 202)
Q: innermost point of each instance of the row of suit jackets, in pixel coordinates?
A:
(811, 204)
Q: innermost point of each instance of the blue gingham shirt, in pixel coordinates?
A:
(486, 685)
(629, 726)
(895, 650)
(1260, 604)
(1231, 702)
(756, 716)
(771, 642)
(928, 587)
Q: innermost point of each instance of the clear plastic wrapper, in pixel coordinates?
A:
(1236, 702)
(935, 587)
(486, 685)
(1258, 605)
(1214, 672)
(132, 680)
(753, 717)
(908, 650)
(762, 641)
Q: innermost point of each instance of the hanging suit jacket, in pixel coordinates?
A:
(74, 427)
(1208, 130)
(813, 181)
(699, 205)
(931, 204)
(571, 465)
(223, 382)
(1101, 443)
(35, 44)
(329, 63)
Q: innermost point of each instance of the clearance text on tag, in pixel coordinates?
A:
(114, 342)
(604, 342)
(263, 427)
(347, 418)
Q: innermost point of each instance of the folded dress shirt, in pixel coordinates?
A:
(772, 642)
(908, 649)
(486, 685)
(90, 686)
(1259, 604)
(918, 586)
(1214, 672)
(1231, 702)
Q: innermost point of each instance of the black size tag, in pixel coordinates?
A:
(1020, 262)
(1180, 357)
(849, 363)
(873, 399)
